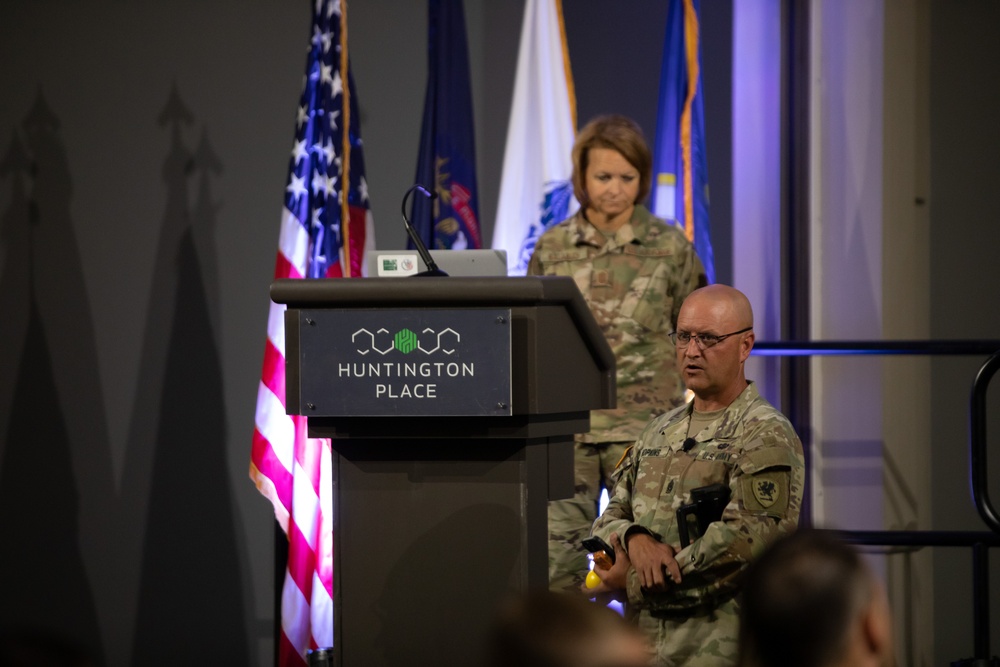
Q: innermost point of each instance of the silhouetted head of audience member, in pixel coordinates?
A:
(811, 601)
(543, 628)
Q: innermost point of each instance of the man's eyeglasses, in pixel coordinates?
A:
(705, 341)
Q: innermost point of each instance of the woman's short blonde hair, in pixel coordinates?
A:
(619, 133)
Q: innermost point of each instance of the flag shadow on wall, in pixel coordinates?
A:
(54, 459)
(190, 591)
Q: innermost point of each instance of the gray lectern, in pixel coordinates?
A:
(451, 404)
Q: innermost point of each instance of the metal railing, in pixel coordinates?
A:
(978, 541)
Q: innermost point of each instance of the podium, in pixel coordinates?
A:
(451, 405)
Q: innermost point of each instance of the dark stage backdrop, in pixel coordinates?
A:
(143, 156)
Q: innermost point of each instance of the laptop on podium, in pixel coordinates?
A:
(402, 263)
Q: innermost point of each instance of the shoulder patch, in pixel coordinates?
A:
(766, 492)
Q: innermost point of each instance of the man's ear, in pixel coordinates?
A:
(746, 345)
(876, 628)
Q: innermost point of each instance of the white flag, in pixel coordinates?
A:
(535, 188)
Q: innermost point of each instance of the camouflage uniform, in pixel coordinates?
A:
(634, 282)
(753, 450)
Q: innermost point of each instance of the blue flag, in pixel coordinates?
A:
(680, 191)
(446, 164)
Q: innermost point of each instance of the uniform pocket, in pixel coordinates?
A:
(649, 300)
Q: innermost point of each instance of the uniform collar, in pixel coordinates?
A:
(633, 231)
(728, 426)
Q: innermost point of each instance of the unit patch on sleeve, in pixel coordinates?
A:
(766, 492)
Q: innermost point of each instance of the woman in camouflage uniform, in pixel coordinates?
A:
(634, 270)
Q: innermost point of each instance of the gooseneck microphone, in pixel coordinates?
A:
(432, 268)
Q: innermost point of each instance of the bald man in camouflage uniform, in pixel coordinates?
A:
(684, 597)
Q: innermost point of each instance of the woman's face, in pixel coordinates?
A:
(612, 182)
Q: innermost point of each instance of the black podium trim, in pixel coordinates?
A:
(444, 428)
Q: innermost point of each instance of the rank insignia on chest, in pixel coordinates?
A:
(600, 278)
(765, 491)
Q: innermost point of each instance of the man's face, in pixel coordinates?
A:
(710, 371)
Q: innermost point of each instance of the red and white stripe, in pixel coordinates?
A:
(294, 473)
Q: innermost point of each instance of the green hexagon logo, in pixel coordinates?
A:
(406, 341)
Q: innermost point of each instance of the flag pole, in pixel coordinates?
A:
(570, 86)
(691, 53)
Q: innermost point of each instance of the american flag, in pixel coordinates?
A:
(290, 469)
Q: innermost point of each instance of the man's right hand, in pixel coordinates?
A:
(653, 561)
(612, 581)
